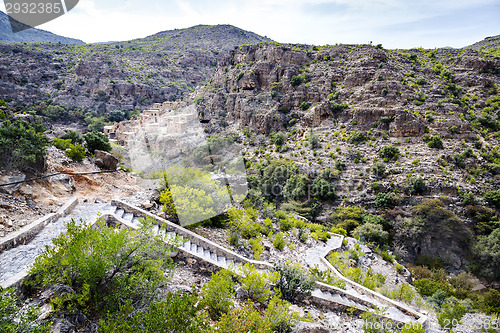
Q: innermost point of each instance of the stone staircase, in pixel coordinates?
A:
(209, 256)
(195, 251)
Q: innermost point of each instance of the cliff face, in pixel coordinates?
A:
(265, 86)
(116, 76)
(357, 100)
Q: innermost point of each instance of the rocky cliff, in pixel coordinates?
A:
(116, 76)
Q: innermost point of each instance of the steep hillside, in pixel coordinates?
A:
(116, 76)
(31, 35)
(488, 45)
(398, 126)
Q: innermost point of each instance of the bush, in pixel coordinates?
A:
(257, 284)
(384, 200)
(76, 152)
(428, 287)
(493, 198)
(279, 316)
(305, 105)
(176, 312)
(279, 241)
(97, 141)
(13, 320)
(74, 136)
(217, 294)
(379, 169)
(358, 137)
(487, 254)
(278, 138)
(244, 319)
(298, 79)
(314, 141)
(372, 233)
(22, 145)
(257, 247)
(389, 153)
(434, 141)
(323, 189)
(451, 315)
(417, 185)
(293, 281)
(489, 302)
(62, 143)
(105, 266)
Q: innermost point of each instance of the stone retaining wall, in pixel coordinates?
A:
(421, 318)
(26, 233)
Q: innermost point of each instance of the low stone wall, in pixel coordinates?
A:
(28, 232)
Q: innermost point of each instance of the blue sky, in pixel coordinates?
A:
(392, 23)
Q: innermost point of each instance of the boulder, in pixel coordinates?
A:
(105, 160)
(7, 179)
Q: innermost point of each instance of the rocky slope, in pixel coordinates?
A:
(357, 99)
(116, 76)
(31, 35)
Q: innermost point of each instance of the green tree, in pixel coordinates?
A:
(22, 145)
(486, 251)
(105, 266)
(97, 141)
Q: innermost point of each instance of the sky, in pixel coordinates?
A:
(392, 23)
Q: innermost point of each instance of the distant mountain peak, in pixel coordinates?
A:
(30, 35)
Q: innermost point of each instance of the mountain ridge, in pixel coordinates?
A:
(32, 35)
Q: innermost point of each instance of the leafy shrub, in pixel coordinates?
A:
(257, 284)
(61, 143)
(22, 145)
(372, 233)
(323, 189)
(417, 185)
(217, 294)
(243, 319)
(428, 287)
(314, 141)
(298, 79)
(489, 302)
(378, 169)
(76, 152)
(97, 141)
(15, 321)
(434, 141)
(493, 198)
(74, 136)
(257, 247)
(279, 241)
(389, 152)
(305, 105)
(293, 281)
(105, 266)
(384, 200)
(451, 315)
(278, 138)
(279, 316)
(176, 312)
(487, 254)
(358, 137)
